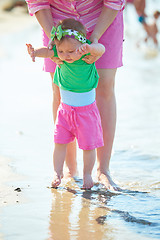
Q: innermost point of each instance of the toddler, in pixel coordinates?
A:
(77, 116)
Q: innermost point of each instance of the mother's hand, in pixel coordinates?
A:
(51, 44)
(91, 58)
(56, 60)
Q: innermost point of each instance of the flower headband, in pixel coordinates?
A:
(59, 33)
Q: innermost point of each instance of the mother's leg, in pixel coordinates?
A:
(70, 169)
(106, 103)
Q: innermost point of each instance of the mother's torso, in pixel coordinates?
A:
(86, 11)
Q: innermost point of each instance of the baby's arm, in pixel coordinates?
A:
(43, 52)
(93, 49)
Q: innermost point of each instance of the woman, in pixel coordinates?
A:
(103, 20)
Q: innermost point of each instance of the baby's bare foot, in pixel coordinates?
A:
(87, 181)
(56, 180)
(107, 181)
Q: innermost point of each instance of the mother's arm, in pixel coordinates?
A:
(42, 11)
(45, 19)
(105, 19)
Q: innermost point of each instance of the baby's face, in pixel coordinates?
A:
(67, 50)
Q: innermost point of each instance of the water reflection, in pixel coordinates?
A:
(74, 214)
(99, 214)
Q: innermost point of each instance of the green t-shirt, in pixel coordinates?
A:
(77, 76)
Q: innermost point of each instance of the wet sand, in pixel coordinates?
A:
(9, 194)
(10, 22)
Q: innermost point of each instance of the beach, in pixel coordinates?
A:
(11, 22)
(29, 208)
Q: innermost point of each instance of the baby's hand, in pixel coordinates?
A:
(31, 51)
(84, 49)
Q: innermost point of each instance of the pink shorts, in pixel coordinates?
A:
(129, 1)
(112, 39)
(84, 123)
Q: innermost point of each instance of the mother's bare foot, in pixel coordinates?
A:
(70, 171)
(106, 180)
(56, 180)
(87, 181)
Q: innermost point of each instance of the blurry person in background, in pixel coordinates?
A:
(150, 29)
(153, 29)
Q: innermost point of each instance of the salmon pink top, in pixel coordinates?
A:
(86, 11)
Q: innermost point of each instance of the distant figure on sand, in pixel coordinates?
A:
(149, 43)
(77, 116)
(152, 29)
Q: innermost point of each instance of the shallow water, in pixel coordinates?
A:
(26, 137)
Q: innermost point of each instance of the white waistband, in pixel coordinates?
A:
(77, 99)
